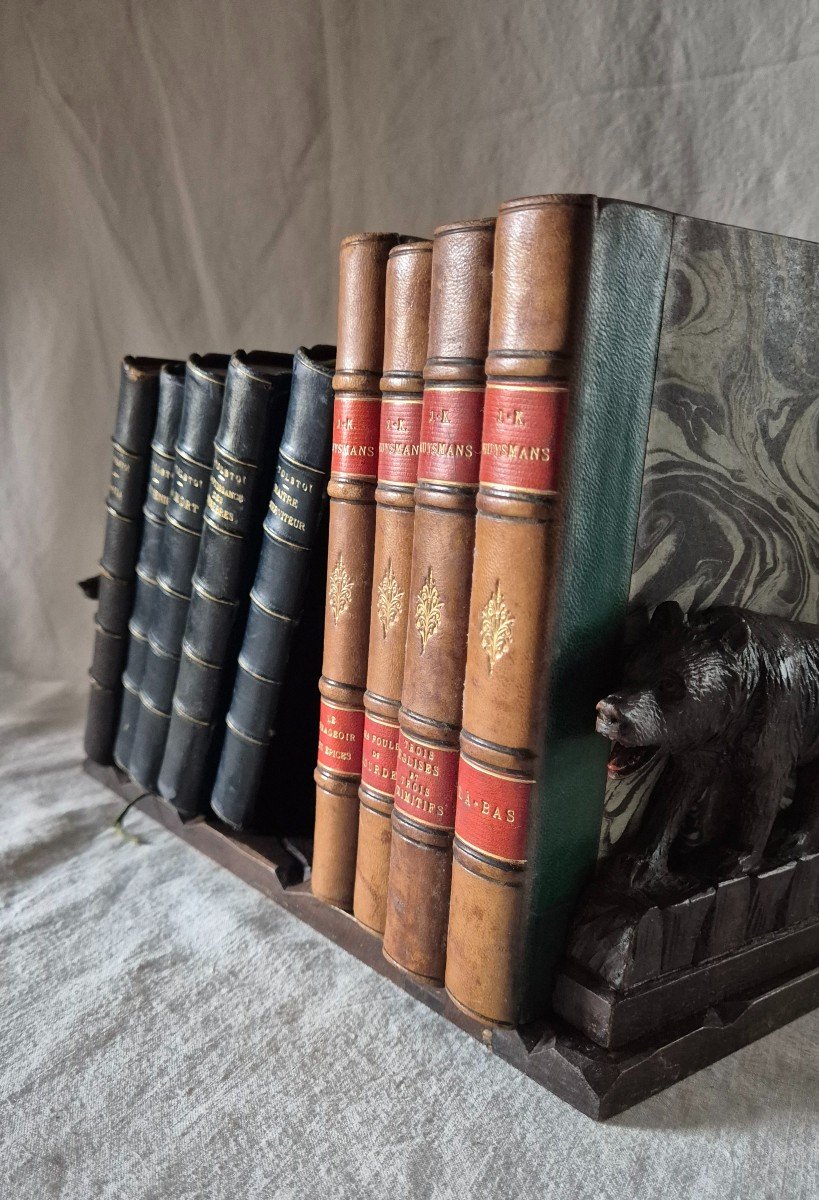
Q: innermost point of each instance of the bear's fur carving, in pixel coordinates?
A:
(732, 699)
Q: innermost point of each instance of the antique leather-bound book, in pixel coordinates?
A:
(406, 323)
(245, 451)
(690, 476)
(290, 529)
(681, 476)
(160, 473)
(541, 244)
(201, 412)
(353, 472)
(429, 720)
(136, 416)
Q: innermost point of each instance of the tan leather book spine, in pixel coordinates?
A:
(429, 720)
(541, 246)
(354, 471)
(406, 320)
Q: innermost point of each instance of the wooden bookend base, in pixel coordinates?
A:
(634, 966)
(599, 1082)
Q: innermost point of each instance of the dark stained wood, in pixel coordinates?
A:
(682, 925)
(769, 892)
(803, 898)
(596, 1081)
(621, 942)
(614, 1019)
(648, 949)
(260, 859)
(725, 926)
(620, 1079)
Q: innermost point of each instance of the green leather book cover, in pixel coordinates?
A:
(694, 476)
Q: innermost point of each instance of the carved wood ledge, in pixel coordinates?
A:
(600, 1082)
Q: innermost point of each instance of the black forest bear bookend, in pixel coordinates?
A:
(718, 890)
(731, 699)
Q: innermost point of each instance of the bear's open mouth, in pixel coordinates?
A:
(625, 760)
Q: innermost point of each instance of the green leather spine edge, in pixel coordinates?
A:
(606, 444)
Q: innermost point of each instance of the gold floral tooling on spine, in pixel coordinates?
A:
(428, 609)
(496, 628)
(340, 590)
(388, 603)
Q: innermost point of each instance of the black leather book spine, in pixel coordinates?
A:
(201, 412)
(286, 799)
(136, 416)
(245, 449)
(277, 598)
(160, 474)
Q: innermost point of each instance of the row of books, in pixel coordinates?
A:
(454, 357)
(215, 506)
(535, 421)
(541, 421)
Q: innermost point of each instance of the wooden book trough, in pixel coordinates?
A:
(765, 986)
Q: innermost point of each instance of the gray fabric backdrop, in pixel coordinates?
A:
(177, 174)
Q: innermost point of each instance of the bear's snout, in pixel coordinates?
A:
(611, 720)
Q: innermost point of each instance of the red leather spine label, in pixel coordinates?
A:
(340, 739)
(398, 445)
(426, 782)
(492, 810)
(450, 449)
(523, 437)
(355, 436)
(379, 755)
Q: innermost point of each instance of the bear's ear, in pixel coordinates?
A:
(635, 627)
(731, 629)
(667, 617)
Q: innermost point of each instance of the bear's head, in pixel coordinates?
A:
(679, 684)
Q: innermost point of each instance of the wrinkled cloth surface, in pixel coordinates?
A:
(167, 1032)
(177, 176)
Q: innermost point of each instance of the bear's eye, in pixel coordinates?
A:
(671, 687)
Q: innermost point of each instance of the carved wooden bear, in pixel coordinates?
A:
(732, 698)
